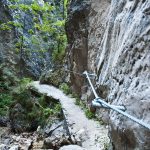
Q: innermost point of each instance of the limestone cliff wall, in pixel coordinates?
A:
(7, 37)
(77, 32)
(117, 49)
(36, 52)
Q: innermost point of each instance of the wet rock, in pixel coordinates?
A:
(72, 147)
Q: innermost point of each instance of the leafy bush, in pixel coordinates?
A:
(5, 101)
(8, 80)
(83, 106)
(65, 88)
(25, 81)
(89, 114)
(31, 110)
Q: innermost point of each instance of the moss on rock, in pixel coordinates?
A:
(28, 111)
(53, 77)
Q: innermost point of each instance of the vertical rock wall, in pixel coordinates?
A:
(77, 32)
(118, 52)
(123, 65)
(7, 37)
(24, 44)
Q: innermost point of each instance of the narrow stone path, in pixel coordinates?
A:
(90, 133)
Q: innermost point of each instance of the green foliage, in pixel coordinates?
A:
(22, 96)
(7, 81)
(44, 101)
(89, 114)
(4, 27)
(14, 1)
(31, 31)
(83, 106)
(65, 7)
(48, 112)
(65, 88)
(59, 23)
(5, 101)
(23, 83)
(52, 26)
(31, 107)
(48, 27)
(18, 44)
(17, 99)
(12, 7)
(17, 24)
(23, 7)
(59, 50)
(78, 102)
(36, 7)
(58, 56)
(7, 77)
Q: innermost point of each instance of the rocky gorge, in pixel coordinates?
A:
(108, 38)
(111, 39)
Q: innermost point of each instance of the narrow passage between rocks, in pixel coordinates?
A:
(90, 134)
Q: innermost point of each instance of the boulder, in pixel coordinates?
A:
(24, 110)
(53, 77)
(57, 136)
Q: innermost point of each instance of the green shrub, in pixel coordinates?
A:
(25, 81)
(77, 102)
(5, 27)
(8, 80)
(5, 101)
(35, 109)
(83, 106)
(65, 88)
(89, 114)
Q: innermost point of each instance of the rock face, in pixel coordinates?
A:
(10, 53)
(53, 77)
(7, 37)
(23, 40)
(77, 33)
(117, 50)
